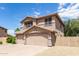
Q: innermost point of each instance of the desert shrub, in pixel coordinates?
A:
(11, 39)
(1, 42)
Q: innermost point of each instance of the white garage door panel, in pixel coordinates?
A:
(37, 40)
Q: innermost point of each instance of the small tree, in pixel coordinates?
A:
(17, 29)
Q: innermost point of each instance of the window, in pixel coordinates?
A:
(48, 21)
(29, 24)
(5, 31)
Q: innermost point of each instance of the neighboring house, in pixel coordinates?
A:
(3, 34)
(40, 31)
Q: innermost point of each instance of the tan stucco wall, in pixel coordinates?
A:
(59, 28)
(20, 39)
(67, 41)
(58, 25)
(41, 23)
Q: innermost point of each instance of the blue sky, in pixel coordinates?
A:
(12, 13)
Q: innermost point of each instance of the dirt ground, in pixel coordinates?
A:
(60, 51)
(30, 50)
(20, 50)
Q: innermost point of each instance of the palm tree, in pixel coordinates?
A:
(67, 29)
(71, 28)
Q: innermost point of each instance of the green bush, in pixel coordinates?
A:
(1, 42)
(11, 39)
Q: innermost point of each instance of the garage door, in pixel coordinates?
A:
(36, 40)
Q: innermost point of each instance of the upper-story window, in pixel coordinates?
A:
(29, 24)
(48, 21)
(5, 31)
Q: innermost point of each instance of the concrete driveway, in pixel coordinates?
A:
(20, 50)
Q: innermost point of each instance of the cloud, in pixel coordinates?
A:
(72, 11)
(61, 5)
(36, 14)
(2, 8)
(11, 32)
(48, 12)
(75, 6)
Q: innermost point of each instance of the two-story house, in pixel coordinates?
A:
(40, 31)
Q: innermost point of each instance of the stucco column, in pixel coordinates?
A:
(49, 41)
(34, 21)
(53, 23)
(24, 39)
(22, 27)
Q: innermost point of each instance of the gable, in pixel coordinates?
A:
(36, 29)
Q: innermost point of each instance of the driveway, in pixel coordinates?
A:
(20, 50)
